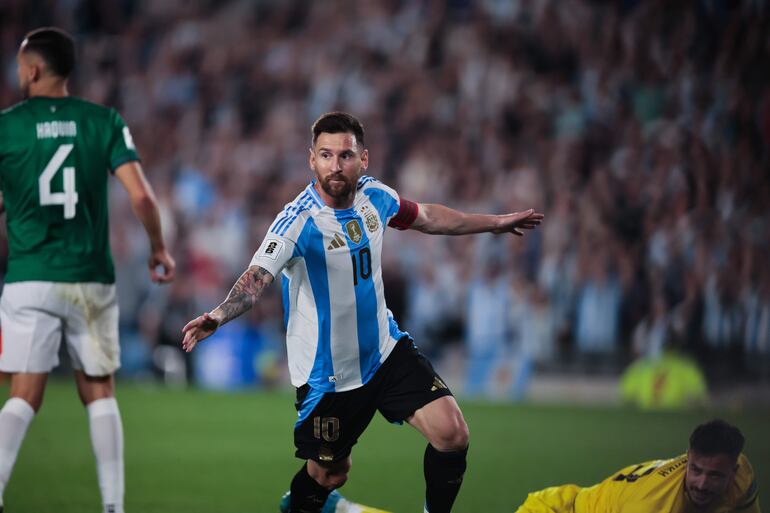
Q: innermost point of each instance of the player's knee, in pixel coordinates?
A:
(35, 401)
(454, 436)
(332, 479)
(93, 388)
(461, 436)
(336, 480)
(31, 395)
(332, 476)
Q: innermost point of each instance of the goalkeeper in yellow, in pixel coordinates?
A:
(713, 476)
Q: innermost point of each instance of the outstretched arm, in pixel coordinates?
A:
(439, 219)
(244, 294)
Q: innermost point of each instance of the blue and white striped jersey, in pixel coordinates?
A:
(338, 329)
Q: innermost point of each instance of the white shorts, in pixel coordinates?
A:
(36, 315)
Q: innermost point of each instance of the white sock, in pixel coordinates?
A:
(107, 442)
(14, 421)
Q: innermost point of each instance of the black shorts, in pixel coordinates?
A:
(403, 384)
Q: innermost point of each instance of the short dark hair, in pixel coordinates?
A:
(717, 437)
(338, 122)
(55, 46)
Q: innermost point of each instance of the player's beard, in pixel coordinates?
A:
(340, 189)
(696, 497)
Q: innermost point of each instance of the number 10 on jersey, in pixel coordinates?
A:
(69, 197)
(362, 266)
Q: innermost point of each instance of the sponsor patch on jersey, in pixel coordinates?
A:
(272, 248)
(354, 231)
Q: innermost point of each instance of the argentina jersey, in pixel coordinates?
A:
(338, 329)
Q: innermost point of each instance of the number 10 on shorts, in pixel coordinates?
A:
(326, 427)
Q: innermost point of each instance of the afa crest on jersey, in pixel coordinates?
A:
(371, 220)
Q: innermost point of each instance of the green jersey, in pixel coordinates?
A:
(56, 155)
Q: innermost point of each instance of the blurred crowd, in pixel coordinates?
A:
(640, 128)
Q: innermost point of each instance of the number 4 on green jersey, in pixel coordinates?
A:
(69, 197)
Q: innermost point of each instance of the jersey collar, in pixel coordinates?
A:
(321, 203)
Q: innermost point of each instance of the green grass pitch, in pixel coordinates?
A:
(201, 452)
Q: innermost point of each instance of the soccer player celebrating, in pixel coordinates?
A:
(55, 153)
(347, 356)
(713, 476)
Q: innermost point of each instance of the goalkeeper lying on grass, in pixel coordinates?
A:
(713, 476)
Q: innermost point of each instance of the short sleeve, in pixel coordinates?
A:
(274, 253)
(121, 147)
(385, 199)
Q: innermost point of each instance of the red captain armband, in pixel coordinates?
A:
(407, 213)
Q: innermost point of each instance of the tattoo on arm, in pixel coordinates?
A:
(245, 293)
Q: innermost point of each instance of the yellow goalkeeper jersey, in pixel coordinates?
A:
(653, 486)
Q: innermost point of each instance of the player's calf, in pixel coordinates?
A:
(441, 422)
(444, 472)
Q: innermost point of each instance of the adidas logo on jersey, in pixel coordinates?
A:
(337, 242)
